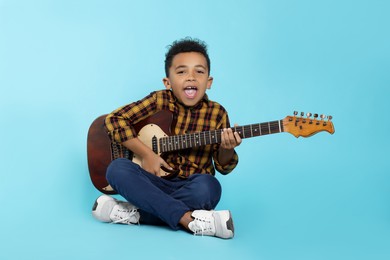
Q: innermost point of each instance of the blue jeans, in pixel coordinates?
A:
(159, 200)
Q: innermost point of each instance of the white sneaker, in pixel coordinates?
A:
(108, 209)
(212, 223)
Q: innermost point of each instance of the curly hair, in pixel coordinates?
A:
(185, 45)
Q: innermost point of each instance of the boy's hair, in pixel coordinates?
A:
(185, 45)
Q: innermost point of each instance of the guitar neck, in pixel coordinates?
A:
(178, 142)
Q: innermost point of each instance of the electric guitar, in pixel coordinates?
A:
(155, 132)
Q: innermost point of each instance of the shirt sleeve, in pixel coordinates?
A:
(120, 123)
(225, 169)
(228, 167)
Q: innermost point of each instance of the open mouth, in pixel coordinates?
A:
(190, 91)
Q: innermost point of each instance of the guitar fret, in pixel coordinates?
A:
(183, 142)
(264, 129)
(170, 145)
(177, 142)
(250, 131)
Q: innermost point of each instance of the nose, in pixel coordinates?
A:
(191, 76)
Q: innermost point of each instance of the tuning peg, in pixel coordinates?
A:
(322, 116)
(330, 118)
(308, 117)
(302, 116)
(315, 119)
(295, 113)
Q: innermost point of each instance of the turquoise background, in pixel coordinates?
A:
(64, 63)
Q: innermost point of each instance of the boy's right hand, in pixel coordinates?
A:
(152, 163)
(149, 161)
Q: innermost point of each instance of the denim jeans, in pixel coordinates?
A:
(159, 200)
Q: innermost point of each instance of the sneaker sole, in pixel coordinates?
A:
(225, 229)
(97, 208)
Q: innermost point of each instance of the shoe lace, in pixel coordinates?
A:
(201, 226)
(125, 214)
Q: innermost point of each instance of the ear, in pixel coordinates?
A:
(167, 83)
(209, 82)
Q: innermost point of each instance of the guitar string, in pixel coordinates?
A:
(214, 136)
(206, 137)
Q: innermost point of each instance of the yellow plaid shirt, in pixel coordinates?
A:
(206, 115)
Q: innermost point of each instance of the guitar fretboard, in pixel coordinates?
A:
(178, 142)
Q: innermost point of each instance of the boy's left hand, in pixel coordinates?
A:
(230, 139)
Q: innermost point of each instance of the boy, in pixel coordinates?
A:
(189, 199)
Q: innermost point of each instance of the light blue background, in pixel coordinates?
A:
(63, 63)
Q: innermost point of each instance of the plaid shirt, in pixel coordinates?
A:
(206, 115)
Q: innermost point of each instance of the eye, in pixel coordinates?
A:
(200, 71)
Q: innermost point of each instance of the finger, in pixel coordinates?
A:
(238, 138)
(153, 171)
(232, 138)
(165, 164)
(225, 137)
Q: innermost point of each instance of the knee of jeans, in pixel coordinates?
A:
(117, 169)
(208, 190)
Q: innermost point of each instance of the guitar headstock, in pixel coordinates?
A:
(308, 125)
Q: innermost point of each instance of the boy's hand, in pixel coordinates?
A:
(230, 139)
(152, 163)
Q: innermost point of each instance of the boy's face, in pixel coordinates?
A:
(188, 77)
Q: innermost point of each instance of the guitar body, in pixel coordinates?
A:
(101, 151)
